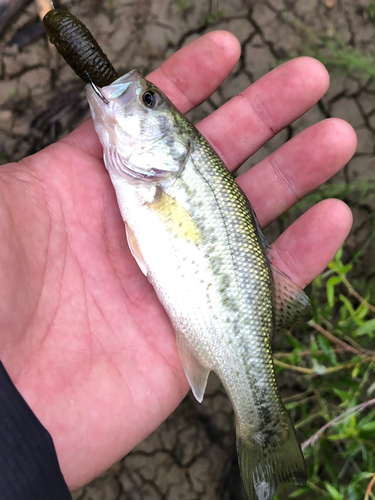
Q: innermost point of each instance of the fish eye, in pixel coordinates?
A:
(150, 99)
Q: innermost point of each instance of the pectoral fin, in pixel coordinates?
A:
(293, 306)
(176, 219)
(195, 372)
(135, 250)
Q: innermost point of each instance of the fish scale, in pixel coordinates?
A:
(250, 267)
(195, 236)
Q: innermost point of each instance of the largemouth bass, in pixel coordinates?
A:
(196, 237)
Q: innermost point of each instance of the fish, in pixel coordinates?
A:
(196, 237)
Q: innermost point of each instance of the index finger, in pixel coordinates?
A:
(188, 78)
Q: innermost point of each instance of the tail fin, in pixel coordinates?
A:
(269, 459)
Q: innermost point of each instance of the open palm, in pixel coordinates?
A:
(82, 333)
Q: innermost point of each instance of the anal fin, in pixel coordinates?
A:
(195, 372)
(293, 306)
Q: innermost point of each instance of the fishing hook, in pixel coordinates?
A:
(96, 89)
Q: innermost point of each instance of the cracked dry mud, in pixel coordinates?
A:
(192, 455)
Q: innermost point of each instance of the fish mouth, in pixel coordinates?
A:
(121, 87)
(110, 93)
(104, 101)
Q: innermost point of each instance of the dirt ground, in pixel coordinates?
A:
(192, 455)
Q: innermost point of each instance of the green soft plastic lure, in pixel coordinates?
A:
(79, 48)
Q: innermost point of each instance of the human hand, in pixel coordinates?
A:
(82, 333)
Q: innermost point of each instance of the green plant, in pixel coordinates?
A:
(370, 9)
(334, 411)
(183, 5)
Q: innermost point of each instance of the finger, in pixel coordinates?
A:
(297, 167)
(188, 77)
(242, 125)
(307, 246)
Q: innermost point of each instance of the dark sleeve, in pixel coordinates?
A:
(29, 469)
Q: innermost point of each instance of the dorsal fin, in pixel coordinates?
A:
(263, 240)
(292, 305)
